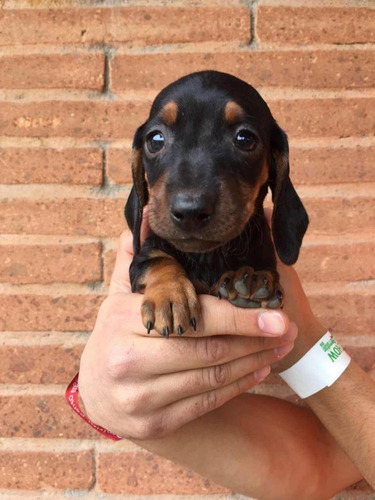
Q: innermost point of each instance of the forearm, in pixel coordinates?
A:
(347, 409)
(262, 447)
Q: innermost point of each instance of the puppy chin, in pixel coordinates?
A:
(195, 245)
(201, 241)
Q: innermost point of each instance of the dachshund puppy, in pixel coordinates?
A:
(202, 163)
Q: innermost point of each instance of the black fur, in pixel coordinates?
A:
(200, 158)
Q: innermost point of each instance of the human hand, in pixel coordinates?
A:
(143, 386)
(298, 309)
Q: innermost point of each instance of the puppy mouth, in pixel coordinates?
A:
(195, 245)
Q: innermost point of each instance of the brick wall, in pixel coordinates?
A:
(77, 77)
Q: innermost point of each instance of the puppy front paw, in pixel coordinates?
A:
(253, 289)
(170, 307)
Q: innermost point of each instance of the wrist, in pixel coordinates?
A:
(319, 368)
(308, 335)
(73, 399)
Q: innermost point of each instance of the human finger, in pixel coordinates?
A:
(120, 281)
(296, 302)
(129, 348)
(219, 317)
(166, 389)
(185, 410)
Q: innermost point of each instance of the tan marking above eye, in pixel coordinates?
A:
(233, 112)
(169, 113)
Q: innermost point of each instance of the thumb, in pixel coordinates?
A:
(120, 281)
(268, 215)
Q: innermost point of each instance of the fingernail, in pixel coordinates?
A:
(271, 322)
(262, 373)
(283, 350)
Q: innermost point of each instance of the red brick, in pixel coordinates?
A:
(303, 69)
(38, 364)
(333, 117)
(52, 71)
(341, 215)
(51, 166)
(147, 24)
(337, 262)
(119, 165)
(27, 312)
(364, 356)
(305, 25)
(51, 26)
(79, 263)
(310, 165)
(45, 417)
(327, 165)
(27, 470)
(321, 264)
(104, 218)
(343, 310)
(157, 25)
(90, 119)
(143, 473)
(70, 216)
(324, 117)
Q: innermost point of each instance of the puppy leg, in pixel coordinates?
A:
(170, 303)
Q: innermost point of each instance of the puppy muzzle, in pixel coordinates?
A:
(191, 211)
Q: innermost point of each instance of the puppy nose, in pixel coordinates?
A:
(191, 211)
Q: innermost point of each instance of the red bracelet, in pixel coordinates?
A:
(71, 395)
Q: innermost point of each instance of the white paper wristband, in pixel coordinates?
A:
(320, 367)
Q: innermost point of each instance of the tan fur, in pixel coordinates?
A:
(138, 175)
(233, 112)
(169, 296)
(252, 193)
(169, 113)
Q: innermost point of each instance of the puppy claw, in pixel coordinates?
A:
(169, 304)
(193, 323)
(224, 288)
(277, 300)
(166, 332)
(223, 292)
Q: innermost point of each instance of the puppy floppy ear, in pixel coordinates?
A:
(138, 196)
(289, 218)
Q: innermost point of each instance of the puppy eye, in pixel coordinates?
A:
(246, 140)
(155, 142)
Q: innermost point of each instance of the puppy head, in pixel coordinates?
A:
(203, 161)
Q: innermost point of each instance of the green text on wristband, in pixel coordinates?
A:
(332, 348)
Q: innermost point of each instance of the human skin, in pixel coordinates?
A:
(184, 398)
(347, 408)
(180, 378)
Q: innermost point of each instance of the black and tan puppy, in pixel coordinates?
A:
(202, 163)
